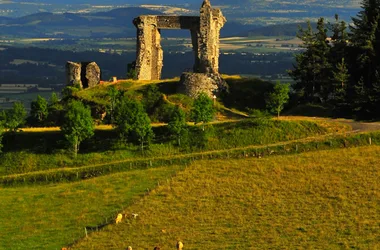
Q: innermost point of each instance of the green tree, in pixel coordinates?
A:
(337, 58)
(132, 120)
(203, 110)
(78, 124)
(39, 109)
(55, 111)
(53, 99)
(340, 79)
(151, 98)
(1, 137)
(365, 66)
(177, 125)
(142, 129)
(278, 98)
(113, 94)
(15, 117)
(69, 91)
(312, 71)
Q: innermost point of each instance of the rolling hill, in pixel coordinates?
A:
(114, 23)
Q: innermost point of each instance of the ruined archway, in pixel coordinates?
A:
(204, 29)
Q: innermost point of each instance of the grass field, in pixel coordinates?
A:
(320, 200)
(49, 217)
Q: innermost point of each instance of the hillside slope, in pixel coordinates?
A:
(324, 200)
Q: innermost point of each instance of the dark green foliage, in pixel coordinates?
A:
(365, 66)
(151, 98)
(39, 110)
(278, 98)
(67, 174)
(53, 99)
(1, 137)
(177, 125)
(132, 121)
(14, 118)
(55, 111)
(312, 72)
(69, 91)
(113, 94)
(203, 109)
(247, 93)
(78, 124)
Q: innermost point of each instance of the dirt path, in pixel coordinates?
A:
(361, 126)
(356, 126)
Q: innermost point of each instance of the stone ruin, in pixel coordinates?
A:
(86, 74)
(205, 34)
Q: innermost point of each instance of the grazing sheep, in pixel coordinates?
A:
(135, 216)
(179, 245)
(129, 248)
(119, 218)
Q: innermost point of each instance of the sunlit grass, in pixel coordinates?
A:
(320, 200)
(50, 217)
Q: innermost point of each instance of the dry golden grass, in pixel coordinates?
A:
(320, 200)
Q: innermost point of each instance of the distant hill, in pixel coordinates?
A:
(114, 23)
(117, 22)
(290, 29)
(127, 12)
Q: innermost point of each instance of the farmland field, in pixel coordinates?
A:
(320, 200)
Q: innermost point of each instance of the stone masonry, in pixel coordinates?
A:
(86, 74)
(204, 29)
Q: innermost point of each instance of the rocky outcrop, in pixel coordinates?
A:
(86, 74)
(73, 73)
(92, 74)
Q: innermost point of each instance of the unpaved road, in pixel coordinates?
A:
(362, 126)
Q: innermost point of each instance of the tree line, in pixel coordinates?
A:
(128, 115)
(339, 66)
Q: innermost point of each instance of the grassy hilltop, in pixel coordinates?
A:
(253, 182)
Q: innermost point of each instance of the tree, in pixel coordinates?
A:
(53, 99)
(365, 66)
(337, 58)
(15, 117)
(55, 111)
(203, 110)
(151, 98)
(312, 71)
(39, 109)
(142, 129)
(78, 124)
(177, 125)
(1, 137)
(2, 122)
(278, 98)
(132, 120)
(113, 94)
(340, 79)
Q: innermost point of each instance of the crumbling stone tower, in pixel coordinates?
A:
(205, 34)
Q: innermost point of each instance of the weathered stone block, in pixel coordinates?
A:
(73, 73)
(92, 75)
(86, 74)
(193, 84)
